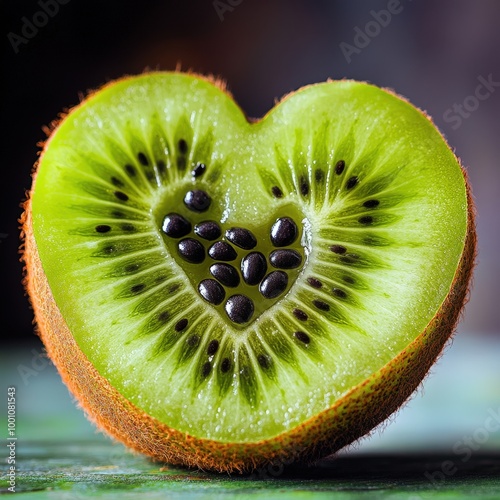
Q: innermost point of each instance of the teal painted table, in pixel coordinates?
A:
(103, 470)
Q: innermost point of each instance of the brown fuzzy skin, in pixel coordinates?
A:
(355, 414)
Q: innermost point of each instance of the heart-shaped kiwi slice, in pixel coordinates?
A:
(224, 294)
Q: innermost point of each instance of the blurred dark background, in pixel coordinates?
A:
(434, 53)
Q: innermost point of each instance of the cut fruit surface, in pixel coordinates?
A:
(235, 281)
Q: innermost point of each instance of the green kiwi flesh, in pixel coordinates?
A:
(381, 208)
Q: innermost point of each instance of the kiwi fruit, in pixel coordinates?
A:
(225, 293)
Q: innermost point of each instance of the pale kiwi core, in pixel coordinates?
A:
(378, 200)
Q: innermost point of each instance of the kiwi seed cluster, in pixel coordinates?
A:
(253, 268)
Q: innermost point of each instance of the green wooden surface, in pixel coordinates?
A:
(105, 470)
(444, 444)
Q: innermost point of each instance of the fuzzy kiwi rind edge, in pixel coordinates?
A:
(352, 416)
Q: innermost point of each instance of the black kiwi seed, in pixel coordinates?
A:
(304, 186)
(366, 220)
(183, 147)
(314, 282)
(319, 175)
(181, 325)
(117, 182)
(239, 308)
(225, 365)
(241, 237)
(213, 347)
(253, 268)
(175, 225)
(161, 166)
(143, 159)
(338, 249)
(302, 336)
(211, 291)
(191, 250)
(225, 274)
(103, 228)
(136, 289)
(222, 251)
(131, 170)
(121, 195)
(371, 203)
(197, 200)
(127, 227)
(206, 369)
(208, 230)
(274, 284)
(285, 259)
(264, 361)
(300, 314)
(198, 170)
(351, 182)
(117, 214)
(323, 306)
(284, 232)
(339, 167)
(338, 292)
(277, 193)
(349, 279)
